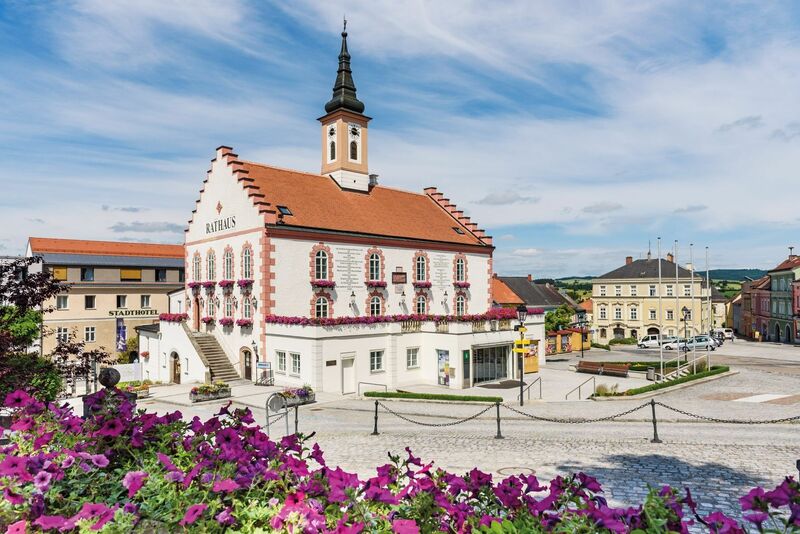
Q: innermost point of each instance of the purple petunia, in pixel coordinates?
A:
(225, 486)
(405, 526)
(99, 460)
(225, 517)
(17, 399)
(111, 428)
(192, 514)
(133, 482)
(42, 480)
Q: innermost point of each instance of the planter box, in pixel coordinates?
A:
(142, 393)
(201, 397)
(296, 401)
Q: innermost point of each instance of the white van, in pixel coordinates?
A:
(726, 332)
(649, 341)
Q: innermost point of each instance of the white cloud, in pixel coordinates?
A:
(526, 252)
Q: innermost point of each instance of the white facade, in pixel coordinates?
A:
(170, 356)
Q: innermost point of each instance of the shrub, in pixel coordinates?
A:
(604, 390)
(601, 346)
(624, 341)
(38, 375)
(715, 370)
(120, 471)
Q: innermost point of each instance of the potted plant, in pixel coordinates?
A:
(245, 284)
(244, 323)
(173, 317)
(422, 284)
(295, 396)
(213, 391)
(226, 321)
(226, 285)
(323, 283)
(207, 320)
(209, 285)
(140, 388)
(461, 285)
(376, 283)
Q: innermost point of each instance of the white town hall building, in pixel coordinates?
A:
(331, 279)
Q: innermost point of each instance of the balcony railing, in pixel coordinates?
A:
(411, 326)
(479, 326)
(443, 327)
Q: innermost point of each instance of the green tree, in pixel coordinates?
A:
(22, 326)
(560, 317)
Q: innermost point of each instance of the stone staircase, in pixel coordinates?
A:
(219, 365)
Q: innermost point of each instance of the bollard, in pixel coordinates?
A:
(655, 425)
(295, 418)
(375, 428)
(797, 464)
(499, 435)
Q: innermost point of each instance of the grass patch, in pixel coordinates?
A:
(429, 396)
(600, 346)
(715, 370)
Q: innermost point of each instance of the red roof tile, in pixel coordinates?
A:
(317, 201)
(586, 305)
(502, 294)
(41, 245)
(790, 263)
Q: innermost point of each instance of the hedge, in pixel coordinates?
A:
(715, 370)
(430, 396)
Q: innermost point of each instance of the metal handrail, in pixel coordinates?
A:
(578, 389)
(528, 388)
(679, 368)
(385, 388)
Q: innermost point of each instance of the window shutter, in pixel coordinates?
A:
(60, 273)
(130, 274)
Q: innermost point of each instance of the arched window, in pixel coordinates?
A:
(196, 268)
(333, 150)
(247, 308)
(353, 150)
(211, 308)
(461, 303)
(247, 263)
(321, 308)
(374, 267)
(375, 306)
(227, 265)
(228, 307)
(422, 305)
(211, 266)
(321, 265)
(461, 275)
(422, 274)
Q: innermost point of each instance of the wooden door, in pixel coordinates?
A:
(248, 365)
(176, 369)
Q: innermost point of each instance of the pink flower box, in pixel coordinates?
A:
(423, 285)
(225, 284)
(193, 285)
(244, 323)
(226, 321)
(461, 285)
(173, 317)
(245, 284)
(494, 313)
(323, 283)
(209, 284)
(375, 283)
(207, 320)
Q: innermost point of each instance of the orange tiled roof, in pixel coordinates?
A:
(317, 201)
(790, 263)
(502, 294)
(586, 305)
(41, 245)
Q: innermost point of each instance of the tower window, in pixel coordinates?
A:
(284, 210)
(353, 150)
(333, 151)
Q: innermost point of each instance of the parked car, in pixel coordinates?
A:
(675, 344)
(727, 333)
(702, 342)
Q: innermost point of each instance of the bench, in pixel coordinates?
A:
(602, 368)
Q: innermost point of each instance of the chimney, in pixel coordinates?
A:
(670, 257)
(494, 275)
(628, 260)
(530, 278)
(792, 255)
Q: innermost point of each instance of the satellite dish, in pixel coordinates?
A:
(276, 402)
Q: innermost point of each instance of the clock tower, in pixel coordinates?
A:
(344, 130)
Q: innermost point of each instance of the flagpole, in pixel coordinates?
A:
(677, 300)
(691, 298)
(660, 314)
(710, 311)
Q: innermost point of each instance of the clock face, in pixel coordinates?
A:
(354, 131)
(332, 131)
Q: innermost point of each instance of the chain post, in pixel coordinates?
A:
(655, 424)
(375, 428)
(295, 418)
(499, 435)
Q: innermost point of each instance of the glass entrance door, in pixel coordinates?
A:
(490, 363)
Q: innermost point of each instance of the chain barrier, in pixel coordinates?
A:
(452, 423)
(730, 421)
(576, 421)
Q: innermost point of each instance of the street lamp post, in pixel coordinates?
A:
(522, 314)
(582, 324)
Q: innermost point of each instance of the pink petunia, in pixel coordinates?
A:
(227, 485)
(42, 480)
(48, 522)
(133, 481)
(17, 399)
(17, 528)
(99, 460)
(405, 526)
(192, 514)
(111, 428)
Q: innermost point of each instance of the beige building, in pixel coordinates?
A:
(114, 287)
(625, 301)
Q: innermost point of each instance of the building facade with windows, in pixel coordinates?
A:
(331, 279)
(113, 287)
(782, 278)
(625, 301)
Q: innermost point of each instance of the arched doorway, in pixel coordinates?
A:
(619, 333)
(175, 368)
(777, 332)
(635, 334)
(246, 361)
(652, 331)
(788, 334)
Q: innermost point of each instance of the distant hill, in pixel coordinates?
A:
(736, 275)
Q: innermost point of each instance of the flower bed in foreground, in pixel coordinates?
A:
(118, 470)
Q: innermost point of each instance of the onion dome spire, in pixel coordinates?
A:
(344, 90)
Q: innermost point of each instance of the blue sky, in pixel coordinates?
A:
(574, 132)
